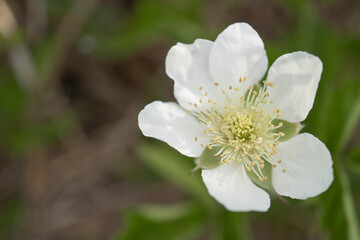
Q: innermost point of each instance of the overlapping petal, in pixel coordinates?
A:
(296, 77)
(170, 123)
(308, 167)
(230, 185)
(238, 52)
(188, 66)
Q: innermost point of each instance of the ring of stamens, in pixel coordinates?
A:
(241, 129)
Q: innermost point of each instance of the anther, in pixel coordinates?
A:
(200, 88)
(284, 170)
(196, 139)
(216, 84)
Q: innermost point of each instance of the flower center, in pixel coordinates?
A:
(238, 126)
(242, 128)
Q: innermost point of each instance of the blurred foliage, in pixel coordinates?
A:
(118, 35)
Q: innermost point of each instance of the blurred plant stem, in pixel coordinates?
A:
(68, 30)
(348, 200)
(19, 55)
(37, 14)
(350, 125)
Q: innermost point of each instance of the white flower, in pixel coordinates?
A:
(246, 131)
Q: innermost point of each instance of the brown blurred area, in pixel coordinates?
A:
(79, 187)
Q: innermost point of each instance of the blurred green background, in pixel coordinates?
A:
(74, 74)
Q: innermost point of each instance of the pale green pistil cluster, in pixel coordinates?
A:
(238, 126)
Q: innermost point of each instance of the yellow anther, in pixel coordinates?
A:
(216, 84)
(200, 88)
(284, 170)
(236, 89)
(271, 101)
(229, 99)
(195, 105)
(223, 91)
(261, 179)
(262, 165)
(254, 93)
(196, 138)
(232, 108)
(214, 103)
(212, 108)
(281, 134)
(274, 165)
(240, 79)
(267, 94)
(201, 144)
(206, 94)
(244, 79)
(209, 147)
(202, 112)
(205, 132)
(190, 103)
(281, 124)
(279, 161)
(200, 100)
(230, 87)
(248, 168)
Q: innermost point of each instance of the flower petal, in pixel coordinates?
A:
(188, 66)
(238, 52)
(230, 185)
(296, 77)
(170, 123)
(308, 167)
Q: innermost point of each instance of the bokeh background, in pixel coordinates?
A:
(74, 75)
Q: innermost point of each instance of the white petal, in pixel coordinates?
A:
(230, 185)
(238, 52)
(296, 77)
(188, 66)
(308, 167)
(170, 123)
